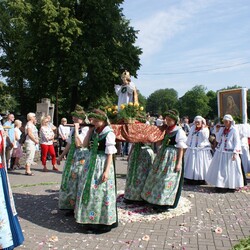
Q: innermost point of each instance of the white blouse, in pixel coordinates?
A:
(82, 134)
(230, 142)
(244, 131)
(110, 141)
(198, 139)
(180, 138)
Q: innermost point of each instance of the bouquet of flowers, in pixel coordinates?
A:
(112, 112)
(131, 112)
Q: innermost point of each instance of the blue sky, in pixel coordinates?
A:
(191, 42)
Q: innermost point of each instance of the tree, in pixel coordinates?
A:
(8, 103)
(213, 105)
(194, 102)
(69, 51)
(12, 49)
(161, 100)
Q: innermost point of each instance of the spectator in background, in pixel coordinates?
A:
(50, 123)
(17, 150)
(54, 128)
(148, 120)
(159, 121)
(9, 140)
(244, 131)
(31, 142)
(63, 134)
(47, 138)
(185, 125)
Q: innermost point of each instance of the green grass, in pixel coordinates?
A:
(33, 185)
(244, 244)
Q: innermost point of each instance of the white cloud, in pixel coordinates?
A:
(163, 25)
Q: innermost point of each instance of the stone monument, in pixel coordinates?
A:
(45, 108)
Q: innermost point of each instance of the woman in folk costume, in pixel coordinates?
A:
(11, 235)
(96, 198)
(225, 169)
(164, 182)
(74, 162)
(244, 130)
(140, 162)
(198, 156)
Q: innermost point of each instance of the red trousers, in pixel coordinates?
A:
(44, 151)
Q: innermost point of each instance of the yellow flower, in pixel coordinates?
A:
(141, 108)
(122, 106)
(136, 104)
(130, 104)
(116, 107)
(115, 112)
(109, 109)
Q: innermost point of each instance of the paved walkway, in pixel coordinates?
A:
(215, 221)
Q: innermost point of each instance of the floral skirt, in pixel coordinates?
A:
(17, 152)
(140, 163)
(11, 234)
(100, 208)
(163, 185)
(67, 195)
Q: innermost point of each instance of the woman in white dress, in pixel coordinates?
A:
(244, 130)
(225, 168)
(198, 156)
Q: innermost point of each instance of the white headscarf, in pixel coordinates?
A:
(200, 118)
(228, 117)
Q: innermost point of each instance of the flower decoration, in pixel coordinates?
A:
(218, 230)
(146, 237)
(112, 111)
(131, 111)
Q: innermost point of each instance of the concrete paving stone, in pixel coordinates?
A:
(222, 248)
(231, 213)
(191, 246)
(203, 247)
(210, 248)
(218, 243)
(227, 243)
(209, 235)
(193, 242)
(155, 245)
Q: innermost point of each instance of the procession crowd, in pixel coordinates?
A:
(197, 154)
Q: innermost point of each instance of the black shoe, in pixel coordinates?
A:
(70, 213)
(221, 190)
(160, 209)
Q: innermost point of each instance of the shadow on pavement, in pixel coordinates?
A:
(42, 210)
